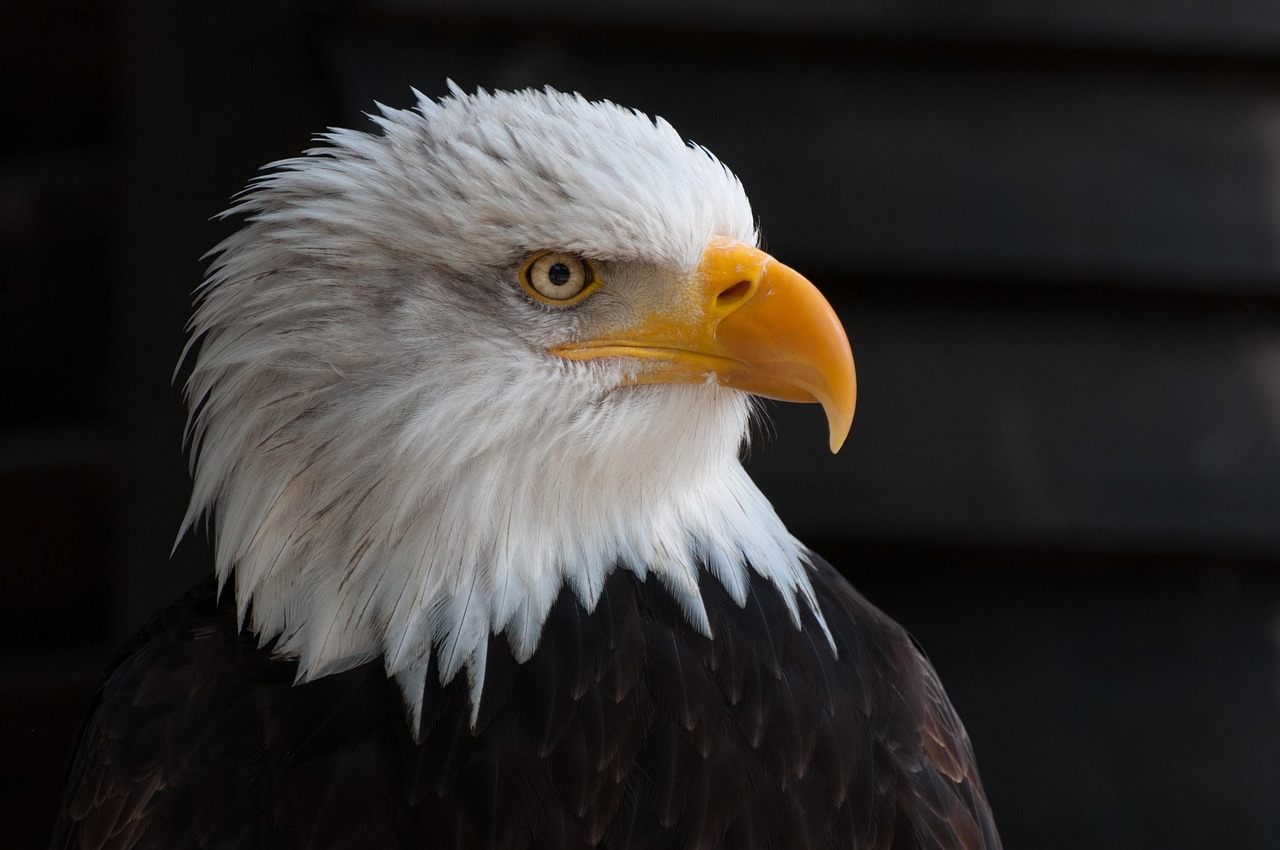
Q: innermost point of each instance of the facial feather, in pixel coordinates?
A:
(394, 463)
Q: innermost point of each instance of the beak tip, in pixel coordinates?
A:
(839, 409)
(839, 433)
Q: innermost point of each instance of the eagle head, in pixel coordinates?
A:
(504, 346)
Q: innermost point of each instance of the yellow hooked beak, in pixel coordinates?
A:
(746, 322)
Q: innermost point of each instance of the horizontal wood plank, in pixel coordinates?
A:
(1147, 424)
(927, 167)
(1193, 25)
(1107, 696)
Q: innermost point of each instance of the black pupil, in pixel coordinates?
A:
(559, 274)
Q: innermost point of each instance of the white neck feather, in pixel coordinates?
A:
(348, 552)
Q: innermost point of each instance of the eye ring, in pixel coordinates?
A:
(558, 278)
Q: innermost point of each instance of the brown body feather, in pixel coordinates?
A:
(626, 729)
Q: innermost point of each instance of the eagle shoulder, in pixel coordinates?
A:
(192, 741)
(627, 728)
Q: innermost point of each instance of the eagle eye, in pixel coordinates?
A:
(558, 278)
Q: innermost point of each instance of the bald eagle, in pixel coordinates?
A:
(467, 400)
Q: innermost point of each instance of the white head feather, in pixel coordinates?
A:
(393, 462)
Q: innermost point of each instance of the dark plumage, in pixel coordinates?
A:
(626, 729)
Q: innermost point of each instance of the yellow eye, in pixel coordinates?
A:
(558, 278)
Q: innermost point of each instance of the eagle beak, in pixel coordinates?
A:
(748, 322)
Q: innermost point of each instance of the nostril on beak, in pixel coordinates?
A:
(733, 295)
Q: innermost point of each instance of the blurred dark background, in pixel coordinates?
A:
(1052, 230)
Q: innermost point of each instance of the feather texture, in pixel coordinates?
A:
(626, 728)
(394, 464)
